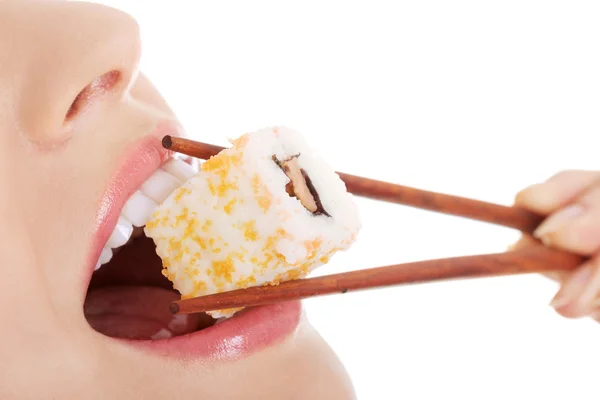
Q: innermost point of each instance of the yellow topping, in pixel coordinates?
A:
(250, 232)
(184, 216)
(174, 245)
(201, 242)
(241, 141)
(224, 187)
(199, 287)
(190, 228)
(211, 187)
(229, 206)
(224, 269)
(206, 226)
(263, 196)
(182, 191)
(245, 282)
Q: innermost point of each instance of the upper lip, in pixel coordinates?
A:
(137, 163)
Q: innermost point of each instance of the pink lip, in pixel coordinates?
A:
(245, 333)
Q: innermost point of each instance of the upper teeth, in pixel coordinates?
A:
(142, 204)
(121, 234)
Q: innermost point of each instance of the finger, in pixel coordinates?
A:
(557, 276)
(523, 242)
(528, 241)
(578, 296)
(556, 192)
(575, 228)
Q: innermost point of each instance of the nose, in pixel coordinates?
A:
(76, 55)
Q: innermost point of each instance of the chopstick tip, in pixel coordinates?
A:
(167, 142)
(174, 308)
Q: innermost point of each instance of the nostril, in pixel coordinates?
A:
(93, 91)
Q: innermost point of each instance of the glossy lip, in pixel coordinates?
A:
(243, 334)
(246, 332)
(139, 161)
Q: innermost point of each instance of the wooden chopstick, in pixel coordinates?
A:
(510, 217)
(191, 148)
(534, 259)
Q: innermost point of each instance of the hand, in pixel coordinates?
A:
(571, 200)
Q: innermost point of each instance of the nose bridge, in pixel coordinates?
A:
(71, 47)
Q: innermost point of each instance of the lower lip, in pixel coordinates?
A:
(249, 331)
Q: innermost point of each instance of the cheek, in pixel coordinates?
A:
(59, 201)
(58, 196)
(31, 333)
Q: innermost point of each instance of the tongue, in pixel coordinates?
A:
(139, 312)
(129, 297)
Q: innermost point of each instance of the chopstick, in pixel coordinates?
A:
(533, 259)
(191, 148)
(510, 217)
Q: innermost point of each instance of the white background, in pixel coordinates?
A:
(472, 98)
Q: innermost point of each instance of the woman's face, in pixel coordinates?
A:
(80, 133)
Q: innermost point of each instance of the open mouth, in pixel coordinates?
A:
(128, 297)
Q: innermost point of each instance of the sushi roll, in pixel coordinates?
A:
(266, 210)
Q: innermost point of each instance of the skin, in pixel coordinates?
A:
(53, 170)
(571, 202)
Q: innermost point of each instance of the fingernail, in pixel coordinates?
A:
(573, 286)
(556, 221)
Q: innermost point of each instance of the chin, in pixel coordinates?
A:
(314, 370)
(303, 366)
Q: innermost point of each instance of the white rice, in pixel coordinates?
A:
(234, 225)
